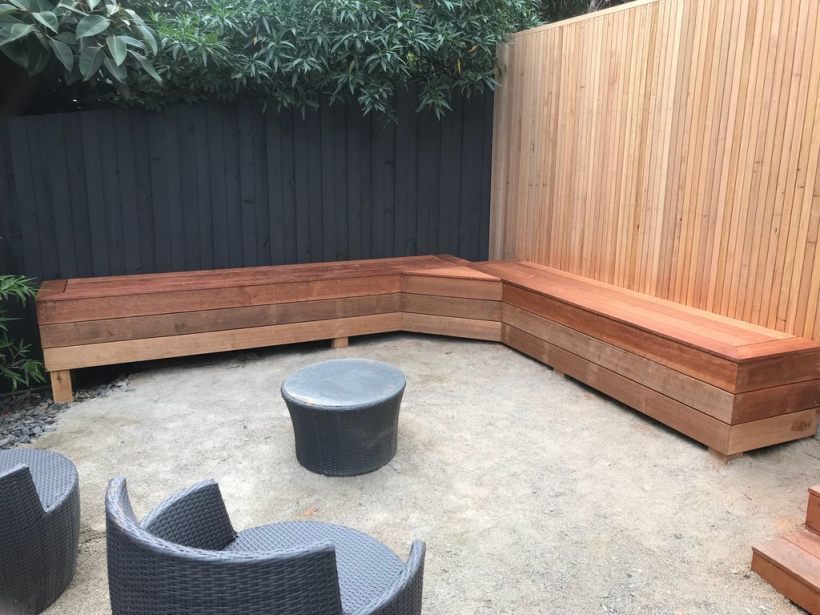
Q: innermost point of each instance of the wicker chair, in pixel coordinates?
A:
(39, 528)
(185, 557)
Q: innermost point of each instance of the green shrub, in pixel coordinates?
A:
(289, 53)
(15, 364)
(90, 39)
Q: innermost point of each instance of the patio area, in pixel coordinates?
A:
(533, 493)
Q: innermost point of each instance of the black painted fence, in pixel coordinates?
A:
(209, 186)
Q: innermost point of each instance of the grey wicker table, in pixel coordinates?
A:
(39, 528)
(345, 415)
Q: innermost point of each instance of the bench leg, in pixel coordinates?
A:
(724, 458)
(61, 386)
(339, 342)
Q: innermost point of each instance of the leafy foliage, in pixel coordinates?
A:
(15, 364)
(91, 39)
(291, 52)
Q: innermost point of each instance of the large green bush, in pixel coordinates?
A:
(291, 52)
(286, 52)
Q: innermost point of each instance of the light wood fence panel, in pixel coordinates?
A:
(671, 147)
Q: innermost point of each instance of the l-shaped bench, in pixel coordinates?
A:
(730, 385)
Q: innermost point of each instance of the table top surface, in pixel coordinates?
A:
(344, 384)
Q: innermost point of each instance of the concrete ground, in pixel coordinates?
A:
(533, 493)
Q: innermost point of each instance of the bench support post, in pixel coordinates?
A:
(61, 386)
(339, 342)
(725, 459)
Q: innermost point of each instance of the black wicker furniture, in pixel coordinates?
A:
(186, 558)
(39, 528)
(345, 415)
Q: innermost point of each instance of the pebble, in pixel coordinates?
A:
(26, 416)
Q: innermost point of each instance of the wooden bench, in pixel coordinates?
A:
(731, 385)
(102, 321)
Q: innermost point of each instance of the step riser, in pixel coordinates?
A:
(813, 513)
(786, 583)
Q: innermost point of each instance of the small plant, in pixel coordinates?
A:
(15, 365)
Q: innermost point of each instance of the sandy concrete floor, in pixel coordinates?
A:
(534, 494)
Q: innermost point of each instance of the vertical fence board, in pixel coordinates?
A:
(226, 185)
(670, 147)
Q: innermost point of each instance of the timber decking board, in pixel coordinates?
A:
(598, 311)
(111, 353)
(51, 312)
(460, 282)
(112, 286)
(693, 392)
(182, 323)
(696, 328)
(451, 326)
(451, 306)
(685, 419)
(791, 571)
(704, 366)
(813, 510)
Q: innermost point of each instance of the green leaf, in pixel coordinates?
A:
(26, 5)
(63, 53)
(130, 40)
(92, 25)
(14, 32)
(146, 65)
(90, 61)
(48, 19)
(6, 9)
(149, 39)
(92, 4)
(118, 72)
(117, 48)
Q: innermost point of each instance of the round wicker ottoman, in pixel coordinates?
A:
(345, 415)
(39, 528)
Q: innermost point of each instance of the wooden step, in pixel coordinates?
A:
(813, 510)
(791, 564)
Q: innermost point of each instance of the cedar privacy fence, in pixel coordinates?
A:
(209, 186)
(671, 147)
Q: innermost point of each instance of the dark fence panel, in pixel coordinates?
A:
(209, 186)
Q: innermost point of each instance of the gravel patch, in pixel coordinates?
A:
(27, 415)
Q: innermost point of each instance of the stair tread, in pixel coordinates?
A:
(794, 559)
(806, 540)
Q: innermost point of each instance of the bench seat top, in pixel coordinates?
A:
(123, 285)
(719, 335)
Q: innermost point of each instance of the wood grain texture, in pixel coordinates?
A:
(454, 327)
(685, 419)
(184, 323)
(792, 571)
(61, 390)
(683, 162)
(111, 353)
(813, 510)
